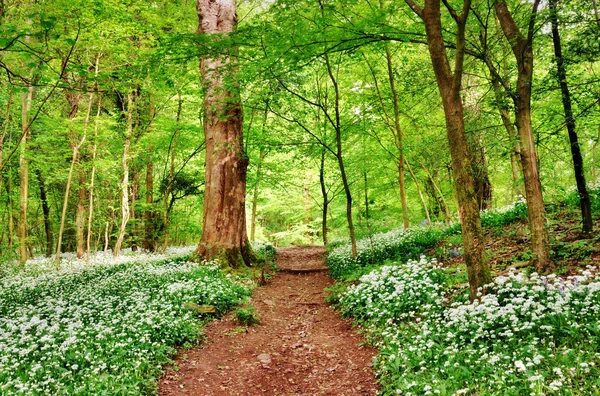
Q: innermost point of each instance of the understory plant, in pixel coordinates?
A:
(529, 335)
(105, 329)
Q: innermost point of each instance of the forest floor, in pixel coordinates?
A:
(300, 347)
(509, 246)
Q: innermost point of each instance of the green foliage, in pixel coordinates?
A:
(577, 250)
(246, 316)
(572, 198)
(394, 245)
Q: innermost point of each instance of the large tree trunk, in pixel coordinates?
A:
(4, 133)
(224, 232)
(449, 85)
(584, 197)
(523, 52)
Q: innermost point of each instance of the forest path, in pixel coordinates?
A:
(300, 347)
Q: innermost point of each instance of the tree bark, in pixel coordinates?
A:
(24, 175)
(92, 180)
(515, 146)
(340, 158)
(398, 138)
(449, 85)
(5, 132)
(80, 215)
(523, 52)
(224, 233)
(423, 202)
(437, 188)
(125, 183)
(584, 197)
(325, 194)
(46, 211)
(261, 157)
(149, 242)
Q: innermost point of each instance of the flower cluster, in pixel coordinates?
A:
(395, 293)
(396, 244)
(103, 329)
(529, 335)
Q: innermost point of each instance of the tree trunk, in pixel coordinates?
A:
(340, 158)
(11, 221)
(4, 133)
(325, 196)
(423, 202)
(515, 146)
(449, 85)
(584, 197)
(150, 215)
(398, 138)
(80, 216)
(133, 192)
(261, 157)
(224, 233)
(24, 175)
(73, 100)
(523, 52)
(149, 243)
(483, 186)
(46, 211)
(125, 183)
(164, 228)
(65, 204)
(366, 198)
(437, 188)
(92, 180)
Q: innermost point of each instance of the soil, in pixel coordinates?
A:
(300, 347)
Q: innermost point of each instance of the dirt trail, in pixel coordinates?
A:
(301, 347)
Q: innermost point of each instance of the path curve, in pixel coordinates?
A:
(301, 347)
